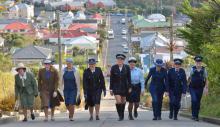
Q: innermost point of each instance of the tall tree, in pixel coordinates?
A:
(203, 21)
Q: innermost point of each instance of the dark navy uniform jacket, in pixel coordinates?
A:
(93, 82)
(158, 79)
(177, 81)
(120, 81)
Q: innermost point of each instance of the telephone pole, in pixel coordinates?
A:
(171, 45)
(59, 44)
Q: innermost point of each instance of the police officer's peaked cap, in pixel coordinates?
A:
(92, 61)
(178, 61)
(47, 61)
(121, 56)
(132, 59)
(198, 58)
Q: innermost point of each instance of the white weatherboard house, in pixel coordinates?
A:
(21, 10)
(82, 42)
(156, 46)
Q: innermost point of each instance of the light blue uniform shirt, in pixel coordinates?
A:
(137, 76)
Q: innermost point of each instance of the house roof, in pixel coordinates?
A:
(71, 3)
(32, 52)
(137, 17)
(97, 16)
(154, 38)
(76, 26)
(147, 23)
(8, 21)
(92, 21)
(67, 34)
(88, 30)
(82, 42)
(157, 17)
(17, 26)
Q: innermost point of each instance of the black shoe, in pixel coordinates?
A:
(135, 114)
(159, 118)
(97, 118)
(196, 119)
(171, 116)
(24, 120)
(155, 118)
(175, 118)
(91, 118)
(32, 116)
(130, 117)
(193, 118)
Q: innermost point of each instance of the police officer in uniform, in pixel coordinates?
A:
(198, 83)
(120, 83)
(93, 86)
(158, 75)
(177, 85)
(138, 88)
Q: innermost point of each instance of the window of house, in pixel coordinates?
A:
(22, 30)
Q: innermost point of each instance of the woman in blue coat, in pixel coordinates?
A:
(177, 85)
(71, 91)
(158, 76)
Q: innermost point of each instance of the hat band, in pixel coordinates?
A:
(134, 61)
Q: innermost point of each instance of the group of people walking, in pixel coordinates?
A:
(127, 84)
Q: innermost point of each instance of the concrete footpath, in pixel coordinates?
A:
(109, 119)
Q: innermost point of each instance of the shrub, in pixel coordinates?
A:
(7, 104)
(6, 91)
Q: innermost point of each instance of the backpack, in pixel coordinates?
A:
(197, 78)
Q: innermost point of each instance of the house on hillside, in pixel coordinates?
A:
(32, 54)
(5, 22)
(65, 35)
(97, 17)
(101, 4)
(21, 10)
(80, 15)
(154, 45)
(66, 5)
(18, 27)
(45, 18)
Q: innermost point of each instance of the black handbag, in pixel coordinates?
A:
(86, 106)
(55, 101)
(78, 101)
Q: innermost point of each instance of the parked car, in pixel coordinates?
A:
(111, 34)
(124, 37)
(125, 50)
(123, 21)
(124, 45)
(124, 32)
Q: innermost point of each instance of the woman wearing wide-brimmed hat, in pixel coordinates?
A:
(48, 80)
(71, 90)
(93, 86)
(25, 90)
(158, 75)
